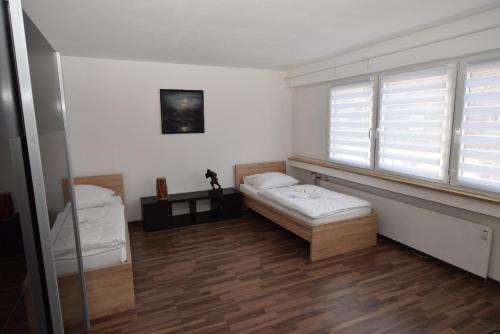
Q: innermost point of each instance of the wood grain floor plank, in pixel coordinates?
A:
(251, 276)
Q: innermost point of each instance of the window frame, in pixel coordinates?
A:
(352, 81)
(457, 124)
(449, 185)
(452, 72)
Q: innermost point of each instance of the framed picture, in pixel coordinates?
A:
(182, 111)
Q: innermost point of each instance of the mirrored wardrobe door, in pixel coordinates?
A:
(64, 233)
(43, 120)
(24, 304)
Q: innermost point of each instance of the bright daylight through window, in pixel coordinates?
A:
(402, 123)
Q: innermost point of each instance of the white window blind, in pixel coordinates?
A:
(351, 123)
(479, 152)
(414, 133)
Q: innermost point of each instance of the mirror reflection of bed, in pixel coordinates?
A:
(105, 247)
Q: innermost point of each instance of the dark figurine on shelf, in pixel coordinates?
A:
(213, 179)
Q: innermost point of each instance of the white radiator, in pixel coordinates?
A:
(461, 243)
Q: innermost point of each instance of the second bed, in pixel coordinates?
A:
(328, 235)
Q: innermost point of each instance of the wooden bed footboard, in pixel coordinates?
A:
(341, 237)
(110, 290)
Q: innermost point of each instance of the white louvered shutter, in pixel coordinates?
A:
(351, 123)
(414, 130)
(479, 152)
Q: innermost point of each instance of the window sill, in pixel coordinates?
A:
(444, 188)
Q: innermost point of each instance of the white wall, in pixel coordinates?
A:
(472, 34)
(467, 36)
(310, 121)
(114, 122)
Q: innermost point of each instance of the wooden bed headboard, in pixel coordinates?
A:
(240, 171)
(112, 181)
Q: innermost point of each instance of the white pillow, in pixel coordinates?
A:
(89, 196)
(270, 180)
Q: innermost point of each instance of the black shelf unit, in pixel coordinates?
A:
(158, 214)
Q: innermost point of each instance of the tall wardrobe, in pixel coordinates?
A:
(34, 159)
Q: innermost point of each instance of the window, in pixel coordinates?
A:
(479, 132)
(414, 129)
(412, 113)
(351, 123)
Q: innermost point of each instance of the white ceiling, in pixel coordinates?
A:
(273, 34)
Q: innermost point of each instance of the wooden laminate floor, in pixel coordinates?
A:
(250, 276)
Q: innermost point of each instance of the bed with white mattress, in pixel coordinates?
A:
(333, 223)
(102, 237)
(106, 253)
(355, 211)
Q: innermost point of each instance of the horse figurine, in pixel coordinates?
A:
(213, 179)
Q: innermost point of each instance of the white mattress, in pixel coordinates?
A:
(252, 193)
(102, 236)
(104, 259)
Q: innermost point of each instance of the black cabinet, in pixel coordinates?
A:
(159, 214)
(226, 207)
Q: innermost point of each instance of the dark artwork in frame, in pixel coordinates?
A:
(182, 111)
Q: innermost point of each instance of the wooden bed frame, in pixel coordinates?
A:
(325, 240)
(110, 289)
